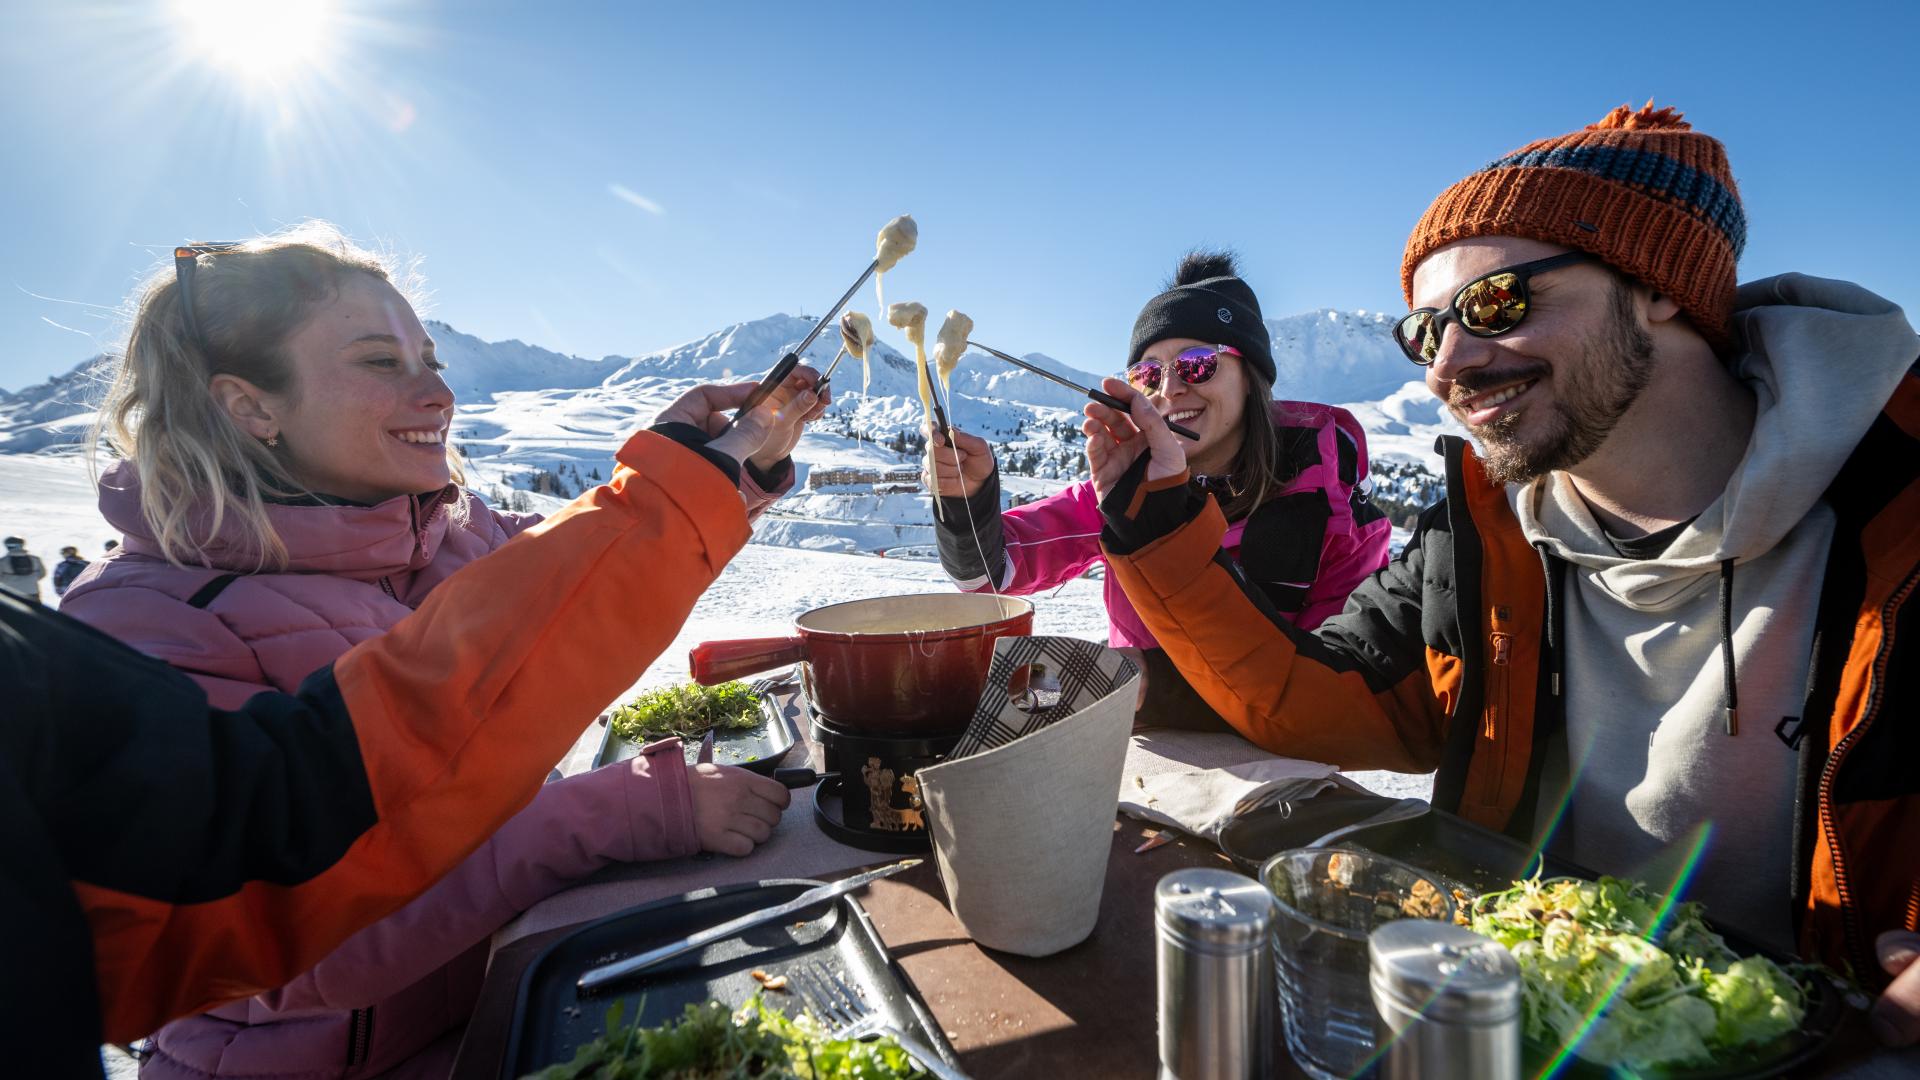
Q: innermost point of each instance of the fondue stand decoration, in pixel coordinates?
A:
(891, 684)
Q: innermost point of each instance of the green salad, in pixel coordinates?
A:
(687, 711)
(1677, 997)
(710, 1042)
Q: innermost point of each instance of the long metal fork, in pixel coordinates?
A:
(835, 1003)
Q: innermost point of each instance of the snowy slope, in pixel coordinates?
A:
(48, 498)
(524, 409)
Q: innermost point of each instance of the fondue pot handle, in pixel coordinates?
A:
(713, 662)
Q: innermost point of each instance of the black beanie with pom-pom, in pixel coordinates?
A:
(1206, 301)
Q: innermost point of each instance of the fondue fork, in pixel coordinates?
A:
(792, 359)
(1100, 396)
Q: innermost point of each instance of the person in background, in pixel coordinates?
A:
(67, 569)
(1289, 475)
(1667, 605)
(180, 856)
(285, 490)
(111, 546)
(21, 570)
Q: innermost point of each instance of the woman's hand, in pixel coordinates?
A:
(734, 810)
(1115, 439)
(707, 408)
(958, 469)
(790, 421)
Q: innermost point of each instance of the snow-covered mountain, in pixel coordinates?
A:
(530, 418)
(54, 413)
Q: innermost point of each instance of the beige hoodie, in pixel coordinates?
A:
(1644, 676)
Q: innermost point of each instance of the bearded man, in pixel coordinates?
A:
(1666, 608)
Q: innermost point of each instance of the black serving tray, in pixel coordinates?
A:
(1472, 858)
(1478, 860)
(758, 749)
(551, 1017)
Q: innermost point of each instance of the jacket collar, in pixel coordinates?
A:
(361, 542)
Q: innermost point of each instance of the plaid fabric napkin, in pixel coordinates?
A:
(1063, 676)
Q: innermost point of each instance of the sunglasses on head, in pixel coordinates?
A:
(1194, 366)
(1487, 306)
(186, 258)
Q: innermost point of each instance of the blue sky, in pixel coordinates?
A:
(616, 178)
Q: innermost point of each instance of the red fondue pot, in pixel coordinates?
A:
(892, 665)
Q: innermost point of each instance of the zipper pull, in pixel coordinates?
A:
(1502, 648)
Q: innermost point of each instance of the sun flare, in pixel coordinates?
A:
(261, 41)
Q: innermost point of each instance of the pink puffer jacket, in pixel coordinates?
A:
(392, 1000)
(1329, 537)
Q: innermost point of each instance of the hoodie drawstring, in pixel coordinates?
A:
(1556, 581)
(1730, 695)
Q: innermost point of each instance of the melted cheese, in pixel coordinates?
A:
(856, 334)
(948, 348)
(913, 319)
(895, 242)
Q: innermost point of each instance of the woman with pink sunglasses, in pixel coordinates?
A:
(1287, 474)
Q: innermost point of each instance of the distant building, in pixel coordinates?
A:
(896, 480)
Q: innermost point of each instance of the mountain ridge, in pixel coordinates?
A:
(534, 424)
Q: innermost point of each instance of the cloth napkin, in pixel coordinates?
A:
(1198, 781)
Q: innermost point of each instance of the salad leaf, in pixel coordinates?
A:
(1753, 1000)
(687, 710)
(710, 1041)
(1600, 971)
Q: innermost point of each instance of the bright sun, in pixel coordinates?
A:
(262, 41)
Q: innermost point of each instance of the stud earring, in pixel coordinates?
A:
(273, 441)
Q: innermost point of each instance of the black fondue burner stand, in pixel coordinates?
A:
(874, 803)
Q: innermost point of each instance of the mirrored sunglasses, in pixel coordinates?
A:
(1194, 366)
(1487, 306)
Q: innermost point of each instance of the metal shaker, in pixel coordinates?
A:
(1449, 1002)
(1215, 975)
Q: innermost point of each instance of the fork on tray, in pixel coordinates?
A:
(833, 1002)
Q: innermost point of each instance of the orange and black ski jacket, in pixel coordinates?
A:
(159, 857)
(1442, 662)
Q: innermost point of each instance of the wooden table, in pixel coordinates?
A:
(1085, 1012)
(1088, 1011)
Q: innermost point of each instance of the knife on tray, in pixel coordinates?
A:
(596, 978)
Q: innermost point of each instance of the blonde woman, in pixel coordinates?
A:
(285, 490)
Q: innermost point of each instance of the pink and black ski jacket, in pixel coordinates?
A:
(1306, 548)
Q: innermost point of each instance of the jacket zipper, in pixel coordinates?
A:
(360, 1033)
(1497, 679)
(1849, 914)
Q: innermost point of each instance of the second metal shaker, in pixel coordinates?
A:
(1215, 975)
(1449, 1002)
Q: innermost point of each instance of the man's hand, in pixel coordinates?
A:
(1115, 439)
(1896, 1016)
(790, 422)
(707, 408)
(959, 469)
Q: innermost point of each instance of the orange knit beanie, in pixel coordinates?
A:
(1642, 190)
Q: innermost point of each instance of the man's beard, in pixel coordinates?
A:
(1589, 399)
